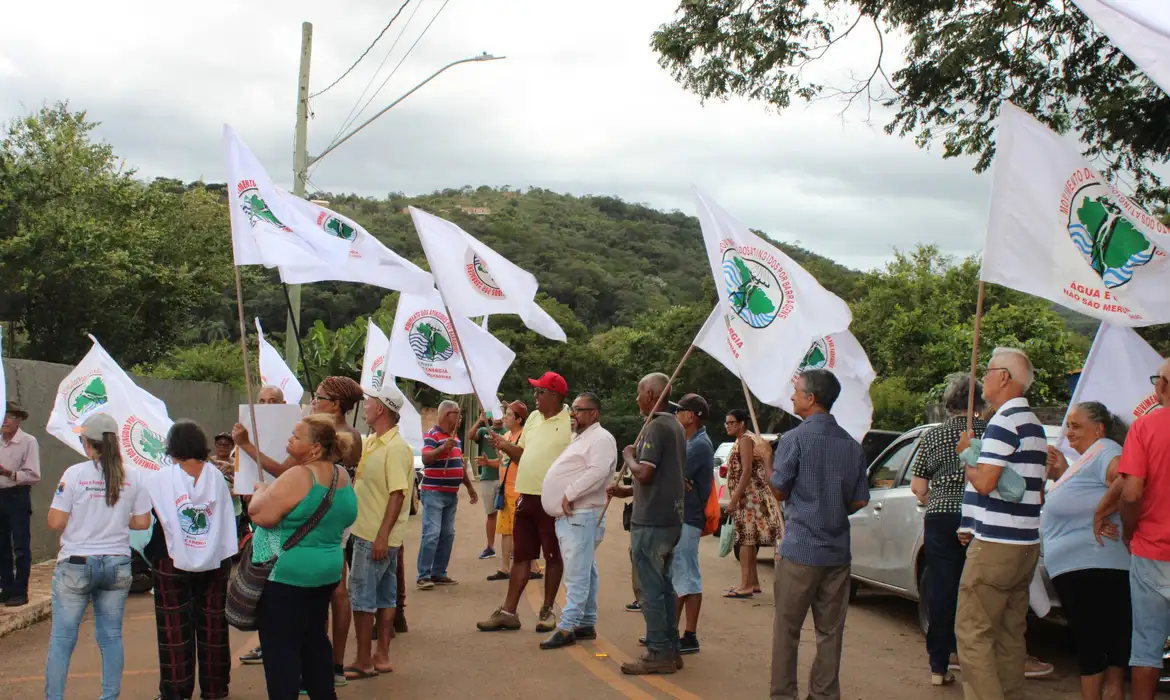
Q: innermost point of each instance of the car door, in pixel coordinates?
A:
(865, 524)
(900, 530)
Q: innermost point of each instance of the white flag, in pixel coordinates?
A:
(774, 309)
(274, 371)
(98, 385)
(423, 347)
(375, 382)
(1140, 28)
(1117, 373)
(839, 353)
(476, 280)
(1060, 231)
(3, 385)
(265, 229)
(369, 262)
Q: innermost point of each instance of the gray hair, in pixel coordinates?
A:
(823, 385)
(957, 394)
(447, 405)
(655, 383)
(1017, 363)
(1097, 412)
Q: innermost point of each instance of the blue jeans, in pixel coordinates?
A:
(105, 580)
(15, 539)
(1149, 585)
(579, 535)
(652, 554)
(373, 583)
(438, 533)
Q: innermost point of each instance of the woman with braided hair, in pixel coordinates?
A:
(335, 397)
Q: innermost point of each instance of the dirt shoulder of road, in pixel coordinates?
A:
(40, 601)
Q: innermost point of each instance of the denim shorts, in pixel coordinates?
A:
(1149, 586)
(685, 568)
(373, 585)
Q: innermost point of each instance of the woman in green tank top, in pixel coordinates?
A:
(294, 609)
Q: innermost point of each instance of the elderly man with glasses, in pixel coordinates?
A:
(443, 473)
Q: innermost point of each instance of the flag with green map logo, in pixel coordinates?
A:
(98, 385)
(375, 382)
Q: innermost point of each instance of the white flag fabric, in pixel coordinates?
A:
(98, 385)
(1140, 28)
(375, 382)
(369, 261)
(1060, 231)
(476, 280)
(274, 371)
(423, 347)
(1117, 373)
(774, 310)
(266, 230)
(839, 353)
(3, 385)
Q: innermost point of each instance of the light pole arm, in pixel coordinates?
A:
(387, 108)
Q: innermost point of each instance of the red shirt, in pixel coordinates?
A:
(1146, 455)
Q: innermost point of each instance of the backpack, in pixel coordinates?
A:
(712, 512)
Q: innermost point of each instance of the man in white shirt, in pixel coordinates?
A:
(20, 468)
(574, 494)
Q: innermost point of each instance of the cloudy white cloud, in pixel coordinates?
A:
(580, 105)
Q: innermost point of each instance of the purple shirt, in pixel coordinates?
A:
(22, 456)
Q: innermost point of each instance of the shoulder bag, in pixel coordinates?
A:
(247, 585)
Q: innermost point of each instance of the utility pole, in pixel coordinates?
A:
(300, 176)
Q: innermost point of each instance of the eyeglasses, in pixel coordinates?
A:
(575, 409)
(989, 370)
(731, 422)
(1154, 379)
(317, 397)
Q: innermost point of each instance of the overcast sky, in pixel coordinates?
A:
(579, 106)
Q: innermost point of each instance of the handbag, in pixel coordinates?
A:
(501, 500)
(247, 585)
(727, 537)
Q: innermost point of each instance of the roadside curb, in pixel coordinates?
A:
(40, 601)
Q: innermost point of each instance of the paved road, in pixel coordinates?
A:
(444, 654)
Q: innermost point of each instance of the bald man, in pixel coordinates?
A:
(270, 394)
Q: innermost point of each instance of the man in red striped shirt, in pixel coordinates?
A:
(443, 473)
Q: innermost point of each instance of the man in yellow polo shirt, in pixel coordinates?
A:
(546, 435)
(383, 482)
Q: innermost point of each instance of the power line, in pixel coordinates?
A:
(368, 48)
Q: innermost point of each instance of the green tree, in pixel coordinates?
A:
(962, 58)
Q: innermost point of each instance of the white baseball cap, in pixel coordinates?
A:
(97, 425)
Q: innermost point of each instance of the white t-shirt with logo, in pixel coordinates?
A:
(94, 527)
(196, 516)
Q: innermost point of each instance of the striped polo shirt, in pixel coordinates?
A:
(1014, 440)
(444, 475)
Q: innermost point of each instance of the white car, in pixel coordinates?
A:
(721, 454)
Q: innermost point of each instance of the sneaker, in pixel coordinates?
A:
(647, 664)
(942, 678)
(953, 663)
(642, 641)
(634, 607)
(425, 584)
(500, 576)
(443, 581)
(688, 643)
(586, 632)
(339, 679)
(487, 553)
(547, 620)
(252, 657)
(1035, 668)
(500, 620)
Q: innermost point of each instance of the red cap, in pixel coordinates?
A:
(553, 382)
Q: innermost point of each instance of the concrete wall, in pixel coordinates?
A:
(34, 384)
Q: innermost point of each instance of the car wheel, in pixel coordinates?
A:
(923, 611)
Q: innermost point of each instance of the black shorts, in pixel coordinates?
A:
(1096, 603)
(534, 530)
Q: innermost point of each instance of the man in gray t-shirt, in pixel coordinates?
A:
(657, 467)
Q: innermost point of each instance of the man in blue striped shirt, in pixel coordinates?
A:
(443, 474)
(1004, 534)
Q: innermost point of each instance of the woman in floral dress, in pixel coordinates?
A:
(756, 514)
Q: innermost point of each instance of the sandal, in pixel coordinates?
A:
(353, 673)
(737, 595)
(384, 669)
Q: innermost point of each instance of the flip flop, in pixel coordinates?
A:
(384, 669)
(353, 673)
(737, 595)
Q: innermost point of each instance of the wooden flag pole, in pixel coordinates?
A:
(974, 360)
(665, 393)
(247, 368)
(463, 353)
(747, 395)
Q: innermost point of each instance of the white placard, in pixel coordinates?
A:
(276, 425)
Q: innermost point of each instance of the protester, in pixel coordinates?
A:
(489, 476)
(190, 552)
(20, 468)
(1091, 575)
(335, 397)
(1145, 520)
(657, 463)
(443, 473)
(270, 394)
(546, 435)
(514, 419)
(574, 493)
(699, 478)
(96, 505)
(316, 498)
(820, 474)
(1001, 558)
(385, 477)
(756, 514)
(938, 481)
